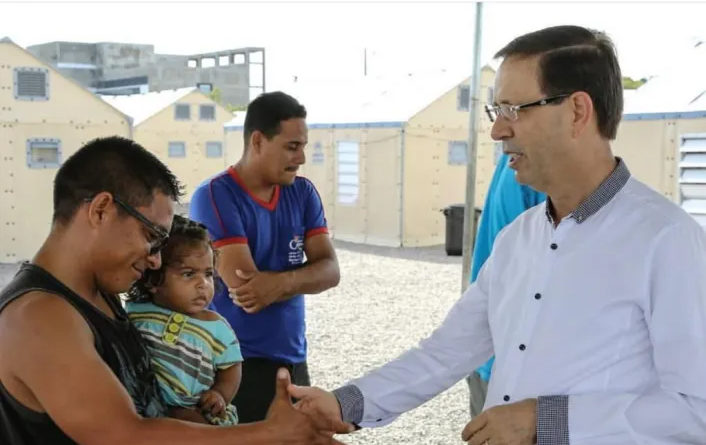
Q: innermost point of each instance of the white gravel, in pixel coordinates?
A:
(388, 300)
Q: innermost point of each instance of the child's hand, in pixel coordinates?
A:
(212, 401)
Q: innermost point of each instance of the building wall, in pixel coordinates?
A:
(431, 182)
(233, 146)
(172, 72)
(650, 148)
(374, 217)
(72, 115)
(111, 61)
(73, 59)
(156, 132)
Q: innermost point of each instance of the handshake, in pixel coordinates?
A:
(314, 419)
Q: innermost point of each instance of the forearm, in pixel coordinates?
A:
(175, 432)
(312, 278)
(452, 351)
(230, 276)
(656, 417)
(227, 382)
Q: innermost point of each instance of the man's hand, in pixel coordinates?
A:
(291, 426)
(322, 406)
(212, 401)
(259, 290)
(513, 424)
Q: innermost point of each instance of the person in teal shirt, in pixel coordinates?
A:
(506, 200)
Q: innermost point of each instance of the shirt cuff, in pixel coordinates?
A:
(350, 399)
(553, 420)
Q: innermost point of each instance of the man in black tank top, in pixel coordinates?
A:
(72, 367)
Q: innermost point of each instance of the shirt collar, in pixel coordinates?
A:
(600, 196)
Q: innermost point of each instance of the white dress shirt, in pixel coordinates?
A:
(608, 309)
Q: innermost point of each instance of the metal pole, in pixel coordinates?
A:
(403, 136)
(469, 234)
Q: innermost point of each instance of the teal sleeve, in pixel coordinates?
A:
(232, 354)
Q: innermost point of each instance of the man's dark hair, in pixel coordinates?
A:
(573, 59)
(112, 164)
(267, 111)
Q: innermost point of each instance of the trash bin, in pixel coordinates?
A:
(454, 229)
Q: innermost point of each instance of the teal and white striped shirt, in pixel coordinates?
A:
(186, 352)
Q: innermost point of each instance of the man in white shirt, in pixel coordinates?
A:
(593, 303)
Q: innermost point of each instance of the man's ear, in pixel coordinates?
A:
(256, 139)
(98, 208)
(582, 107)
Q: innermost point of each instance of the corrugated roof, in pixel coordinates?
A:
(367, 100)
(141, 107)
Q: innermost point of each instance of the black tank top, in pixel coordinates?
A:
(117, 342)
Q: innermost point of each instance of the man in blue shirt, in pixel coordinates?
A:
(505, 201)
(269, 228)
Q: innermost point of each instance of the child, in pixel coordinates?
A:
(195, 353)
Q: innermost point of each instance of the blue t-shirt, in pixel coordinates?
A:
(275, 232)
(505, 201)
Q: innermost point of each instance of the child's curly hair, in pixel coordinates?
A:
(185, 233)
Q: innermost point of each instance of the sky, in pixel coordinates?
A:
(317, 39)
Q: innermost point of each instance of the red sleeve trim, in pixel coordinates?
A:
(318, 231)
(227, 241)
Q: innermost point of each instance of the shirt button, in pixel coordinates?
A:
(523, 347)
(537, 296)
(553, 246)
(506, 398)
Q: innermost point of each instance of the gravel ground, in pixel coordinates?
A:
(388, 299)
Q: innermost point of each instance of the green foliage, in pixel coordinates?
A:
(630, 84)
(232, 108)
(215, 95)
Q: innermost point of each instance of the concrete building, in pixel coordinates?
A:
(183, 127)
(124, 68)
(387, 156)
(44, 118)
(663, 134)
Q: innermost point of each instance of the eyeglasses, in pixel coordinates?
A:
(160, 236)
(510, 111)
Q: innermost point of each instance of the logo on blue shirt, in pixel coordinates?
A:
(296, 250)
